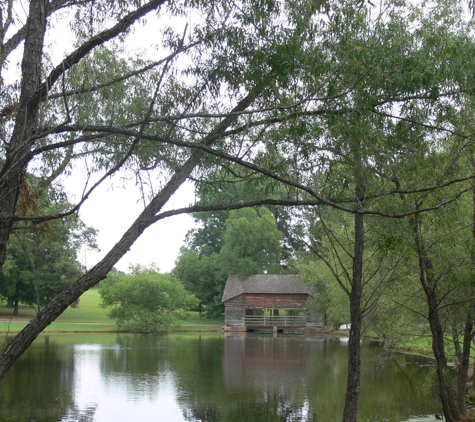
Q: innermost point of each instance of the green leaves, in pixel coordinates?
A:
(145, 300)
(252, 242)
(42, 258)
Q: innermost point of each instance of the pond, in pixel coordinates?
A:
(212, 378)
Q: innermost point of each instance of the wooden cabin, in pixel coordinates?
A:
(272, 301)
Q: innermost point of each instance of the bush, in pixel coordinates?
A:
(145, 300)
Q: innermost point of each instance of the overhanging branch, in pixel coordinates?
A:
(99, 39)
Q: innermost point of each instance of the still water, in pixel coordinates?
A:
(207, 378)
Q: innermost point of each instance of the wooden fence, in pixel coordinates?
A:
(273, 320)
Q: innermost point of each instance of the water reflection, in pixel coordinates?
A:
(204, 378)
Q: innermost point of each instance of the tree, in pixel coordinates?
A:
(226, 186)
(42, 259)
(205, 277)
(330, 299)
(37, 271)
(145, 300)
(251, 245)
(442, 248)
(183, 110)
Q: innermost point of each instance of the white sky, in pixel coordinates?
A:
(113, 210)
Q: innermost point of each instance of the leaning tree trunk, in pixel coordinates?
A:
(55, 308)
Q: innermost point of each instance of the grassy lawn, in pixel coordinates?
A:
(88, 316)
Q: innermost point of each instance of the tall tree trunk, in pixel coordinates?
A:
(472, 262)
(26, 122)
(350, 411)
(448, 396)
(463, 355)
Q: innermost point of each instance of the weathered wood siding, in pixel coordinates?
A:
(234, 311)
(237, 307)
(275, 301)
(234, 315)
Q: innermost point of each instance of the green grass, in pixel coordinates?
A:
(417, 346)
(194, 319)
(89, 317)
(88, 311)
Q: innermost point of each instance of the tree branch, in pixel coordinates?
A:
(129, 75)
(101, 38)
(14, 41)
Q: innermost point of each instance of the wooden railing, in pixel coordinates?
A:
(268, 320)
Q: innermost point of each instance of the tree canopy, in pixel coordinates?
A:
(346, 106)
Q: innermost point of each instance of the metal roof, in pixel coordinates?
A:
(265, 284)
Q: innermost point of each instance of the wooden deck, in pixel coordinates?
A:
(277, 323)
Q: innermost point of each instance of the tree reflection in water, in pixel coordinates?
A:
(76, 414)
(208, 378)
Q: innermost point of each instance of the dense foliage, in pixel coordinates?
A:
(145, 300)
